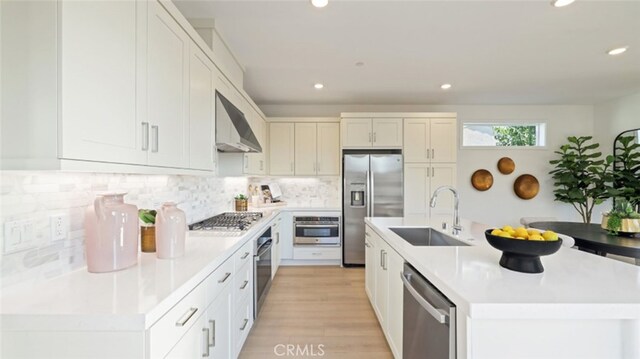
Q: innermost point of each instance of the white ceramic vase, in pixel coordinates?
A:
(171, 230)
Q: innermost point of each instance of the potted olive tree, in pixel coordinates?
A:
(581, 176)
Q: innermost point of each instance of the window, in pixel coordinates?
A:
(503, 135)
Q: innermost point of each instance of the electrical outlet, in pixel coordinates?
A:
(59, 227)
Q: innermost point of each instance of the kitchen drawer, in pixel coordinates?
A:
(241, 325)
(243, 283)
(243, 255)
(221, 277)
(167, 331)
(313, 252)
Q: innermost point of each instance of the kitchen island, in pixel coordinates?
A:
(581, 306)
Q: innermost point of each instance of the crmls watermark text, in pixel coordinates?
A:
(307, 350)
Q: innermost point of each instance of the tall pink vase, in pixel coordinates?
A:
(111, 229)
(171, 229)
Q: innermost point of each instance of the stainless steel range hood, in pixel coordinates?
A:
(233, 133)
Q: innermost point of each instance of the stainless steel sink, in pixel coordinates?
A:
(426, 236)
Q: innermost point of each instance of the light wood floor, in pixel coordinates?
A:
(317, 305)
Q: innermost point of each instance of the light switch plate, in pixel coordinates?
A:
(18, 236)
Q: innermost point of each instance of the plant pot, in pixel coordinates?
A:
(628, 226)
(148, 239)
(241, 205)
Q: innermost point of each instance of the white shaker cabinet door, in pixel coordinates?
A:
(194, 343)
(281, 148)
(395, 264)
(218, 324)
(443, 140)
(416, 189)
(417, 146)
(370, 267)
(382, 281)
(442, 174)
(328, 162)
(98, 45)
(167, 89)
(201, 106)
(387, 132)
(356, 133)
(305, 149)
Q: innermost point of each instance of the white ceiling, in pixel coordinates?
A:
(493, 52)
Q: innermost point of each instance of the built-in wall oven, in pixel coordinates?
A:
(315, 230)
(261, 270)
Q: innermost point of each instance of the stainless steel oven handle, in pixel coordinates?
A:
(440, 315)
(317, 225)
(265, 248)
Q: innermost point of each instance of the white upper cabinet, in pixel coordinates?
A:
(417, 144)
(387, 132)
(367, 133)
(444, 146)
(167, 89)
(328, 158)
(255, 163)
(356, 133)
(305, 149)
(281, 148)
(201, 111)
(442, 174)
(98, 46)
(430, 140)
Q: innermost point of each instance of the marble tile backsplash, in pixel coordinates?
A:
(36, 196)
(306, 192)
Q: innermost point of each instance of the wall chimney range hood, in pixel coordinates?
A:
(233, 133)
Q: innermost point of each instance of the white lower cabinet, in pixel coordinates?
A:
(241, 324)
(383, 285)
(194, 344)
(275, 251)
(219, 325)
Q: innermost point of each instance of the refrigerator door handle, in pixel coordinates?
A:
(373, 193)
(368, 194)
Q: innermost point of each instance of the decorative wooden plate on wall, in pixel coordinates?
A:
(506, 165)
(482, 180)
(526, 186)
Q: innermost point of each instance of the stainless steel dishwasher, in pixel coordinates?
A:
(429, 319)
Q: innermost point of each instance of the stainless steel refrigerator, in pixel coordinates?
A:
(372, 187)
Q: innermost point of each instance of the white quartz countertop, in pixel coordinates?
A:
(574, 285)
(130, 299)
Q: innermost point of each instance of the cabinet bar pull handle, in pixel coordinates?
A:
(244, 284)
(433, 153)
(369, 137)
(212, 341)
(186, 316)
(244, 324)
(374, 137)
(205, 347)
(428, 154)
(154, 138)
(381, 253)
(224, 279)
(433, 171)
(246, 254)
(145, 136)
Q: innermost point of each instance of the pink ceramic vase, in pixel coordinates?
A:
(171, 229)
(111, 229)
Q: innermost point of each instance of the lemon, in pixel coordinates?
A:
(532, 231)
(536, 237)
(496, 232)
(521, 232)
(522, 238)
(550, 236)
(505, 235)
(507, 228)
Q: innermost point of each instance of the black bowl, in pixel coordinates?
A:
(522, 255)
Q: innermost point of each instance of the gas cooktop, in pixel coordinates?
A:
(229, 222)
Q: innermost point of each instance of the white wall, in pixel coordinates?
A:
(499, 205)
(614, 117)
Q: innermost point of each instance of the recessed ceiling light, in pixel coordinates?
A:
(318, 86)
(359, 63)
(445, 86)
(561, 3)
(618, 50)
(319, 3)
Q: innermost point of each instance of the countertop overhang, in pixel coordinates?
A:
(574, 285)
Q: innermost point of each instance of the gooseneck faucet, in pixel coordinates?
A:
(456, 215)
